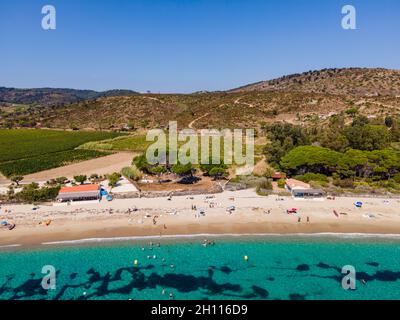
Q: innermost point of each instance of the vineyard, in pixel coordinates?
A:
(28, 151)
(135, 143)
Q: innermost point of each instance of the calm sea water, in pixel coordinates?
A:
(278, 268)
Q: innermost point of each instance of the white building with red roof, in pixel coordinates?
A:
(84, 192)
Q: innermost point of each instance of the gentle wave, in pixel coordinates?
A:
(10, 246)
(229, 235)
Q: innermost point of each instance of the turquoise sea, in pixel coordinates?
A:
(277, 268)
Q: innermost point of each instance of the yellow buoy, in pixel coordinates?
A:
(135, 262)
(246, 258)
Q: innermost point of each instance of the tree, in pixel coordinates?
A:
(94, 176)
(17, 179)
(368, 137)
(80, 179)
(389, 121)
(141, 163)
(281, 131)
(284, 137)
(304, 159)
(182, 169)
(352, 112)
(360, 121)
(377, 164)
(61, 180)
(217, 173)
(395, 132)
(207, 168)
(32, 193)
(113, 179)
(334, 139)
(158, 170)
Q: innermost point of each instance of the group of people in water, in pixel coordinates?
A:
(207, 243)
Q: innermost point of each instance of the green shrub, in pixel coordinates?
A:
(61, 180)
(132, 173)
(281, 183)
(96, 146)
(312, 177)
(396, 177)
(113, 179)
(32, 193)
(264, 184)
(181, 169)
(263, 187)
(344, 183)
(157, 170)
(80, 179)
(352, 111)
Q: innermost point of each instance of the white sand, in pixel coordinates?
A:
(250, 216)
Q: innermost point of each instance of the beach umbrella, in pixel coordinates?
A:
(358, 204)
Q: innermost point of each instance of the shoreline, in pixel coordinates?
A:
(173, 219)
(379, 238)
(96, 237)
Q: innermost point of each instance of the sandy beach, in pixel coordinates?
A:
(253, 214)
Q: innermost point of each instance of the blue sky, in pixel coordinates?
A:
(189, 45)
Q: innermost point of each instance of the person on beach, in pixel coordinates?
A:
(308, 219)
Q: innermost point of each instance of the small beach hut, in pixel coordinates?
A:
(83, 192)
(293, 184)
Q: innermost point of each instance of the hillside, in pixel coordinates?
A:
(351, 81)
(53, 97)
(216, 110)
(307, 97)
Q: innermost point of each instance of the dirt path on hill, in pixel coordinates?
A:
(152, 98)
(380, 104)
(237, 101)
(197, 119)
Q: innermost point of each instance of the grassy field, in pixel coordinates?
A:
(134, 143)
(28, 151)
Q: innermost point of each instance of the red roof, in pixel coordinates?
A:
(80, 188)
(278, 175)
(293, 183)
